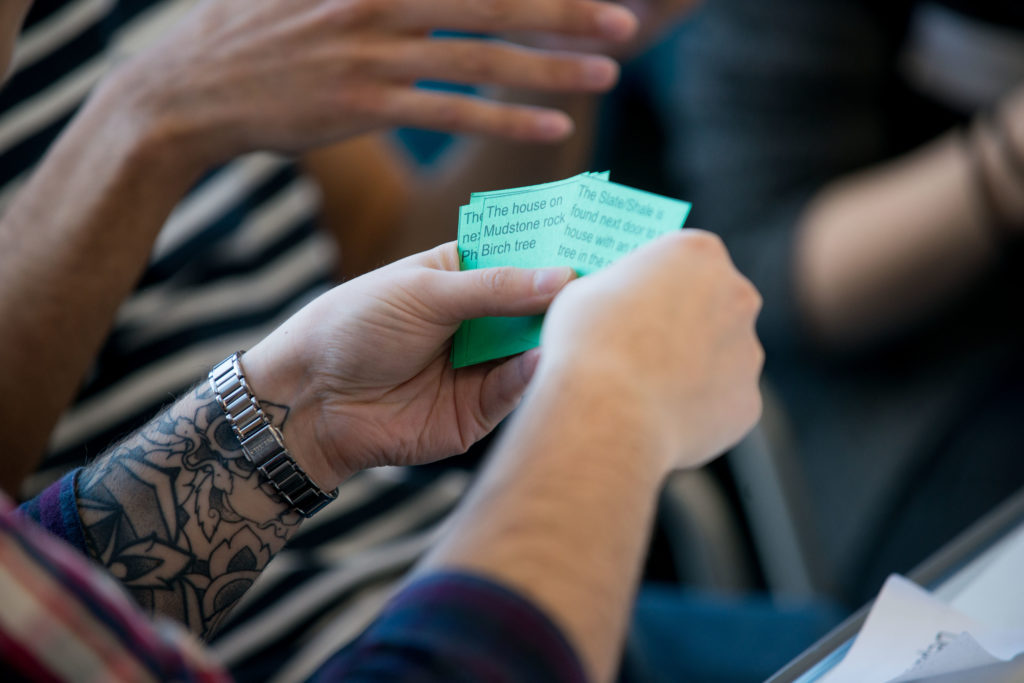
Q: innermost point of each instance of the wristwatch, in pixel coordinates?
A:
(262, 443)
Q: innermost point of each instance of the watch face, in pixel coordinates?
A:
(262, 443)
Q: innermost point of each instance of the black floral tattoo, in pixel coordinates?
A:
(179, 515)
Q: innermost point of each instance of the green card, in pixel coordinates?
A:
(585, 222)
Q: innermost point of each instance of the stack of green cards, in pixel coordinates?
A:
(586, 222)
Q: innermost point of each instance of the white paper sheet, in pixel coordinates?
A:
(910, 635)
(995, 597)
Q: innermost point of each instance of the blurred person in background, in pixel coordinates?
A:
(864, 161)
(243, 249)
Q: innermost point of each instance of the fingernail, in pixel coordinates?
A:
(550, 280)
(600, 72)
(528, 364)
(553, 125)
(616, 22)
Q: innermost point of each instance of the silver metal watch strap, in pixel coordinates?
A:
(261, 441)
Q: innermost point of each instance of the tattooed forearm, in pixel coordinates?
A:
(179, 515)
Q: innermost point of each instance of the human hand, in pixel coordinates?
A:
(239, 75)
(655, 17)
(365, 370)
(669, 332)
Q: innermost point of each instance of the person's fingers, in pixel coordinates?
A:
(472, 115)
(503, 387)
(458, 296)
(475, 61)
(571, 17)
(445, 256)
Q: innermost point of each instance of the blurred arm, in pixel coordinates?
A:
(891, 245)
(72, 246)
(787, 133)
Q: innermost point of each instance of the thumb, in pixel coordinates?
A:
(503, 387)
(496, 291)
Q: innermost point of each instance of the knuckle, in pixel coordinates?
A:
(748, 297)
(756, 299)
(364, 101)
(756, 356)
(354, 60)
(496, 280)
(702, 240)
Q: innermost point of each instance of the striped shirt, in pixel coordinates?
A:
(239, 254)
(237, 257)
(64, 619)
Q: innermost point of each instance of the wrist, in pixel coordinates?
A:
(604, 402)
(262, 444)
(280, 375)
